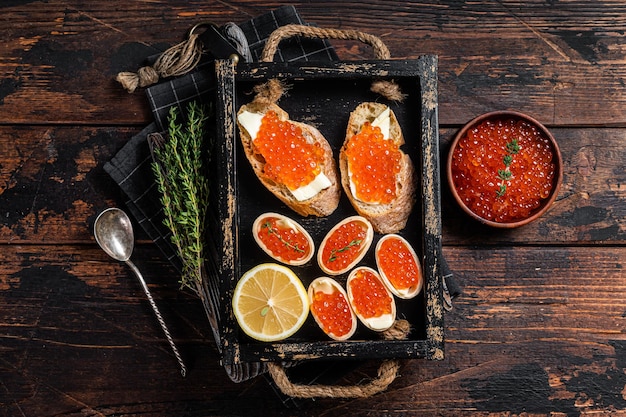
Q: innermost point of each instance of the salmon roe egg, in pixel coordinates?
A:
(369, 295)
(333, 312)
(503, 169)
(282, 241)
(399, 264)
(344, 245)
(374, 163)
(289, 158)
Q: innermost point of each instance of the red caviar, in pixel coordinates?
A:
(503, 169)
(369, 295)
(289, 158)
(344, 245)
(332, 312)
(282, 240)
(374, 163)
(399, 265)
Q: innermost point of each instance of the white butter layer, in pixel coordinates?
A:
(383, 121)
(251, 122)
(324, 285)
(321, 182)
(380, 323)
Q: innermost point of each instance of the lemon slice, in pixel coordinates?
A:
(270, 303)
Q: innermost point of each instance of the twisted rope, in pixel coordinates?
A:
(288, 31)
(387, 373)
(177, 60)
(181, 58)
(388, 89)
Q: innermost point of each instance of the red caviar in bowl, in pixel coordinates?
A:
(289, 158)
(371, 300)
(330, 308)
(374, 163)
(504, 168)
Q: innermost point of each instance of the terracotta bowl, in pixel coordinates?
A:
(495, 175)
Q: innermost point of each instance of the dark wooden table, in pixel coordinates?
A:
(539, 328)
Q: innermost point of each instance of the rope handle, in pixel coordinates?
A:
(386, 88)
(387, 373)
(288, 31)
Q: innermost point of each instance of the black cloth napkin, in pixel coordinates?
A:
(131, 169)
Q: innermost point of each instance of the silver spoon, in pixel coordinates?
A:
(114, 233)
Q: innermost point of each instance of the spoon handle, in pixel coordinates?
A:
(183, 369)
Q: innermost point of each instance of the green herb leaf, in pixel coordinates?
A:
(271, 230)
(504, 174)
(512, 147)
(184, 188)
(501, 191)
(334, 252)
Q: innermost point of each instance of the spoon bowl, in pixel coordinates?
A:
(114, 233)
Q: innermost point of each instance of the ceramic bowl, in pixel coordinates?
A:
(485, 181)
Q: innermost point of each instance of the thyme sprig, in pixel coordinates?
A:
(505, 174)
(184, 188)
(270, 230)
(334, 252)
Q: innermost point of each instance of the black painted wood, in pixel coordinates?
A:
(313, 95)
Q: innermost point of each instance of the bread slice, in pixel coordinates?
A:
(391, 217)
(321, 204)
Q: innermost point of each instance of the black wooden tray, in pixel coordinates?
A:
(323, 94)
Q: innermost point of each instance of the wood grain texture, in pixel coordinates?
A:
(539, 328)
(526, 327)
(543, 58)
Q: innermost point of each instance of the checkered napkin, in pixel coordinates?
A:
(131, 169)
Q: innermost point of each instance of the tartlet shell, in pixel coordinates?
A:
(297, 226)
(327, 280)
(415, 290)
(365, 246)
(370, 323)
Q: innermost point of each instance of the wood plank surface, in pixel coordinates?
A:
(539, 328)
(541, 58)
(54, 179)
(528, 335)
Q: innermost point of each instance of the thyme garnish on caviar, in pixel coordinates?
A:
(505, 174)
(334, 252)
(270, 230)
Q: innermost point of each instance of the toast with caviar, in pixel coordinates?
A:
(377, 176)
(292, 160)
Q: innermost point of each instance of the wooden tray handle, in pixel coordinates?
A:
(387, 373)
(386, 88)
(288, 31)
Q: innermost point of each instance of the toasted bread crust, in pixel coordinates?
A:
(324, 202)
(385, 218)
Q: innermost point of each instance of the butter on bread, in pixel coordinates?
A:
(319, 199)
(385, 217)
